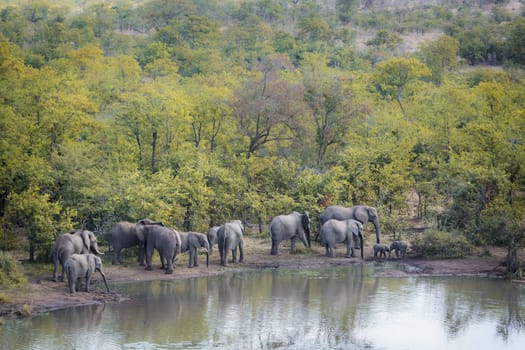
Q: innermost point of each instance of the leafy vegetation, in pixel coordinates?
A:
(198, 112)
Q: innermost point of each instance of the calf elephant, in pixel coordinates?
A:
(381, 250)
(166, 241)
(212, 236)
(77, 241)
(230, 236)
(79, 266)
(128, 234)
(191, 242)
(361, 213)
(399, 247)
(292, 226)
(335, 231)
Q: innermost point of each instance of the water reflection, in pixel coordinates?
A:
(319, 309)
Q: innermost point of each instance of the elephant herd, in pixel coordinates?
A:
(75, 250)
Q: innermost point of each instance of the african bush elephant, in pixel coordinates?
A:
(79, 266)
(361, 213)
(212, 236)
(398, 247)
(127, 234)
(230, 236)
(166, 241)
(336, 231)
(381, 250)
(191, 242)
(292, 226)
(77, 241)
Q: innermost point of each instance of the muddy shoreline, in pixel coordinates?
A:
(41, 295)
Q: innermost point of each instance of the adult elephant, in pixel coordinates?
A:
(361, 213)
(128, 234)
(166, 241)
(79, 266)
(337, 231)
(292, 226)
(191, 242)
(230, 236)
(67, 244)
(212, 236)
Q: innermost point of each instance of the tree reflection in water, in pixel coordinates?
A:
(346, 307)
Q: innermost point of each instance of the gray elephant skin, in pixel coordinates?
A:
(381, 250)
(191, 242)
(230, 237)
(336, 231)
(212, 236)
(67, 244)
(361, 213)
(399, 247)
(292, 226)
(128, 234)
(166, 241)
(80, 266)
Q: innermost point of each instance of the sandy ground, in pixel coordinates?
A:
(42, 295)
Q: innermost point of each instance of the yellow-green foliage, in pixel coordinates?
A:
(441, 244)
(10, 274)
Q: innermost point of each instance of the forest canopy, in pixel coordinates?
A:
(198, 112)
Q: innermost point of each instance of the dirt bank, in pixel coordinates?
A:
(41, 294)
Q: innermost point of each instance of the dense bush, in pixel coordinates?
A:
(441, 244)
(9, 271)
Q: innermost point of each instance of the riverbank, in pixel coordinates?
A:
(42, 295)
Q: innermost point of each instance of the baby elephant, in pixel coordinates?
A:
(381, 250)
(79, 266)
(398, 247)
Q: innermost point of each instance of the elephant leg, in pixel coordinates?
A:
(54, 279)
(78, 286)
(234, 255)
(88, 282)
(142, 251)
(326, 250)
(275, 247)
(292, 245)
(241, 252)
(191, 259)
(116, 256)
(195, 257)
(349, 250)
(149, 254)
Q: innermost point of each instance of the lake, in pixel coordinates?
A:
(329, 308)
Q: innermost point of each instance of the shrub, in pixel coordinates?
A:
(9, 271)
(441, 244)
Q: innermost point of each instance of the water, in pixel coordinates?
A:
(332, 308)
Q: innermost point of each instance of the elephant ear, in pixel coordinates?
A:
(305, 220)
(85, 239)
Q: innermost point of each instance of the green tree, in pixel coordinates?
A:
(393, 76)
(31, 216)
(440, 55)
(331, 103)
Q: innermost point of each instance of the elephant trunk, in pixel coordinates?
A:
(207, 258)
(376, 226)
(104, 278)
(361, 244)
